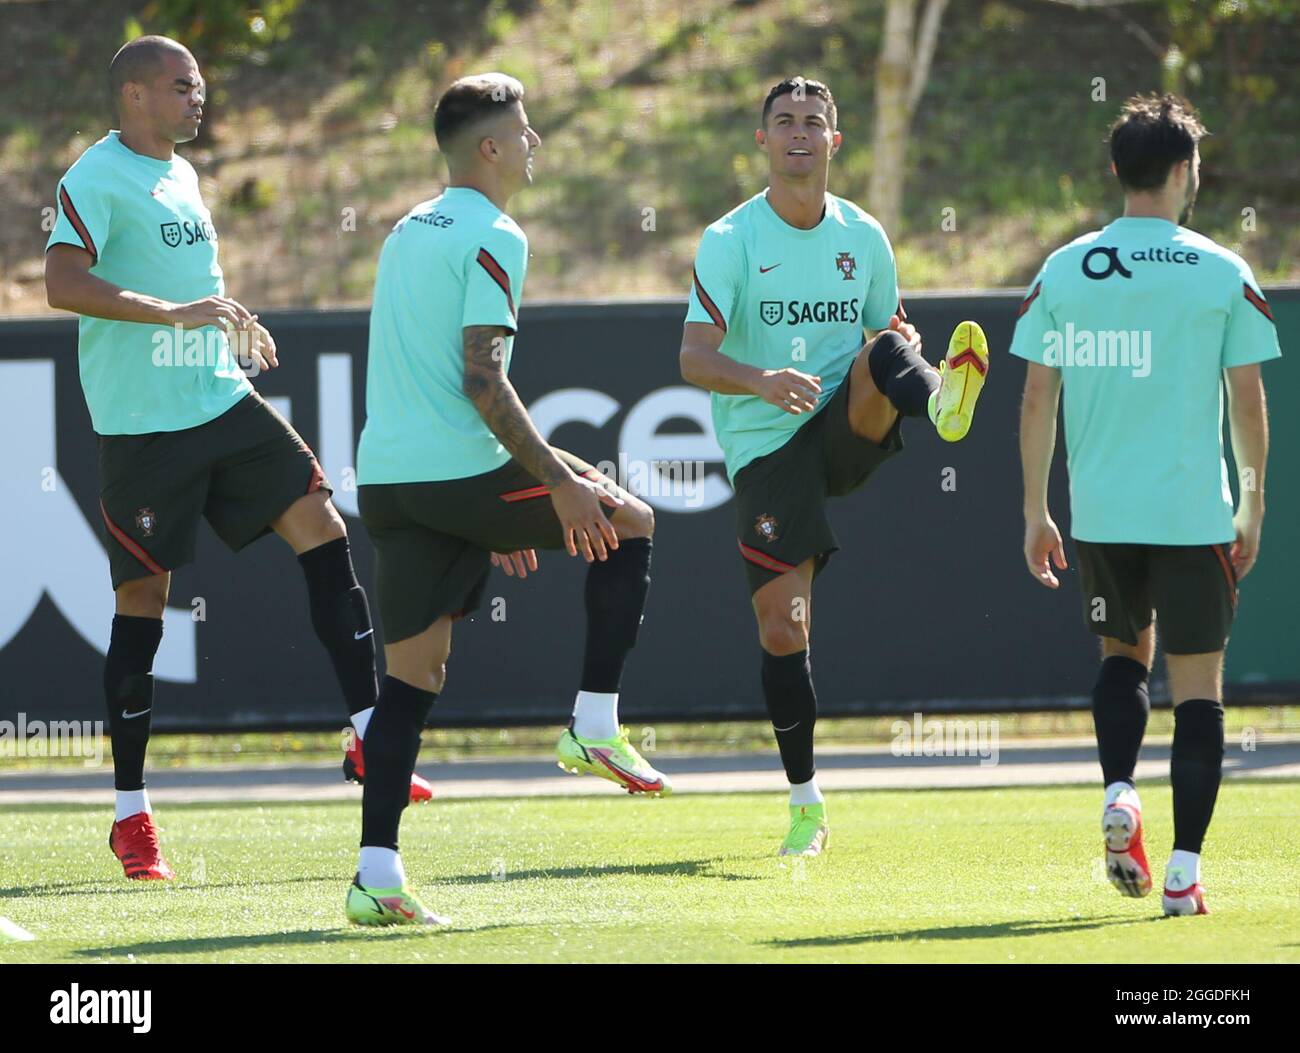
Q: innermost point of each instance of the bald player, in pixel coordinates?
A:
(182, 435)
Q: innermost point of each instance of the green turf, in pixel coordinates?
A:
(920, 876)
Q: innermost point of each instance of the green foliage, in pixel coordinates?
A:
(251, 196)
(653, 104)
(221, 33)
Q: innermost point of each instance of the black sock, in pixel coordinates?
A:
(792, 706)
(901, 374)
(1120, 706)
(1195, 769)
(615, 599)
(392, 747)
(128, 694)
(341, 617)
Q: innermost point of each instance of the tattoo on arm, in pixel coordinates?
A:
(497, 402)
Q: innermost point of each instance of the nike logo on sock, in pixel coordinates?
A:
(790, 728)
(132, 716)
(362, 636)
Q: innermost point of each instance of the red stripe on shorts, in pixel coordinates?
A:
(763, 560)
(122, 539)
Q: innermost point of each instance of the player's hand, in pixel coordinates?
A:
(516, 563)
(220, 311)
(585, 527)
(264, 344)
(253, 348)
(793, 391)
(1245, 549)
(1042, 540)
(907, 331)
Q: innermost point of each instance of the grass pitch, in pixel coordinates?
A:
(922, 876)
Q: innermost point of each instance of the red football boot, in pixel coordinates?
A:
(354, 770)
(134, 841)
(1126, 859)
(1186, 901)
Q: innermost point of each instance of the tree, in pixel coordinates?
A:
(901, 72)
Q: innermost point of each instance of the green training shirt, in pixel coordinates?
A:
(1142, 317)
(145, 226)
(451, 262)
(789, 298)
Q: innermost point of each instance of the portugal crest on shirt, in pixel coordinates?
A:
(765, 527)
(847, 265)
(771, 311)
(171, 234)
(145, 521)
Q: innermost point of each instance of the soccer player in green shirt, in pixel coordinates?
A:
(454, 477)
(786, 287)
(182, 433)
(1139, 324)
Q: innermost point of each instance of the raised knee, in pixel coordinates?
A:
(332, 522)
(780, 634)
(143, 597)
(636, 519)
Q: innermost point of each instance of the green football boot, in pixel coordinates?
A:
(613, 759)
(962, 374)
(388, 906)
(809, 831)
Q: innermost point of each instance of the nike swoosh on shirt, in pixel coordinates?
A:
(764, 270)
(362, 636)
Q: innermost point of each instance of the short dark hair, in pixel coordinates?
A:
(1153, 133)
(800, 86)
(139, 60)
(471, 100)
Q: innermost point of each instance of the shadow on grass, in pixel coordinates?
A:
(136, 888)
(315, 937)
(703, 868)
(963, 932)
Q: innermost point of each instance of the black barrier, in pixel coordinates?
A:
(927, 604)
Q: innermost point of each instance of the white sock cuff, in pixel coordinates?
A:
(595, 715)
(806, 792)
(1188, 862)
(1122, 793)
(380, 868)
(127, 803)
(361, 720)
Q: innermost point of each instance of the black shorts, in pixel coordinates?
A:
(1192, 590)
(240, 471)
(433, 540)
(781, 513)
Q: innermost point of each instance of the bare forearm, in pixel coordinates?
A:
(501, 408)
(88, 295)
(1248, 423)
(497, 402)
(714, 371)
(1037, 446)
